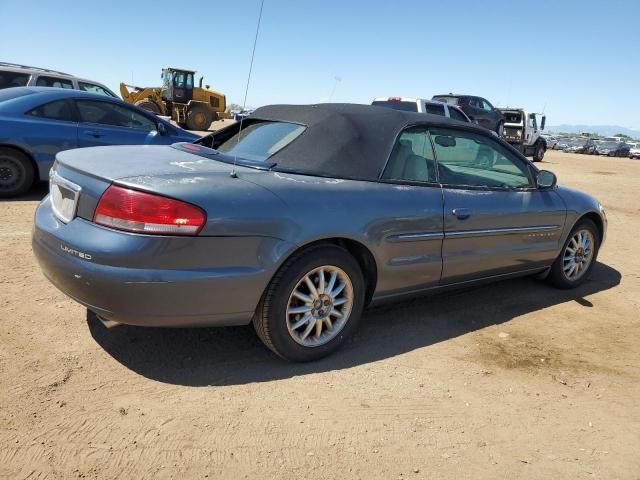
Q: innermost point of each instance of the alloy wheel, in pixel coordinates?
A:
(319, 306)
(578, 255)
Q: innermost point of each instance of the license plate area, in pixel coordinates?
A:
(64, 197)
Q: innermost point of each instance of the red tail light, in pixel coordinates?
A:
(133, 211)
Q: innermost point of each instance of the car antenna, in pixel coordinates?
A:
(233, 173)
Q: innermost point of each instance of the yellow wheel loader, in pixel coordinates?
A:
(191, 107)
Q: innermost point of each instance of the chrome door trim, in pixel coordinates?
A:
(502, 231)
(414, 237)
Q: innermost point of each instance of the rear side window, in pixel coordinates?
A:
(397, 105)
(13, 79)
(485, 105)
(58, 110)
(90, 87)
(435, 109)
(106, 113)
(412, 158)
(44, 81)
(258, 141)
(457, 115)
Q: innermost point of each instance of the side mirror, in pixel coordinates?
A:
(546, 179)
(544, 119)
(162, 129)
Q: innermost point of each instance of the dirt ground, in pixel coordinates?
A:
(511, 380)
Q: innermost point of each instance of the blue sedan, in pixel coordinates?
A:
(37, 123)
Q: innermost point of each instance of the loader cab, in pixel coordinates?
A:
(177, 85)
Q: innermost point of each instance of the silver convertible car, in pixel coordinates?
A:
(299, 217)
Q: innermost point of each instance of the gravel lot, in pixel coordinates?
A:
(512, 380)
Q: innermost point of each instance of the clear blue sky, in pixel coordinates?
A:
(578, 59)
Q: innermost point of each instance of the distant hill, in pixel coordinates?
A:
(604, 130)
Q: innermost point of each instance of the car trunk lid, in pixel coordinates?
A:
(163, 170)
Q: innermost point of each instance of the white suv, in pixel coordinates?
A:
(14, 75)
(421, 105)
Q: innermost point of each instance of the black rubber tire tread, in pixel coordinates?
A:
(149, 105)
(191, 114)
(539, 149)
(556, 276)
(265, 315)
(28, 172)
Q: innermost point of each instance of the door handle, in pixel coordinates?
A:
(461, 213)
(93, 133)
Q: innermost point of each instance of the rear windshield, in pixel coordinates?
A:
(11, 93)
(258, 141)
(404, 106)
(446, 99)
(435, 108)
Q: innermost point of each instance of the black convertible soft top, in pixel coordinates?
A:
(343, 140)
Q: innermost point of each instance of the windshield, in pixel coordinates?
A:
(610, 144)
(512, 117)
(397, 105)
(258, 141)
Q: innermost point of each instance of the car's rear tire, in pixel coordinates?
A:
(580, 250)
(302, 322)
(16, 173)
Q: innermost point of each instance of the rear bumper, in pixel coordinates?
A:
(155, 281)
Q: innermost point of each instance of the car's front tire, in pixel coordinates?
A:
(577, 257)
(312, 305)
(16, 173)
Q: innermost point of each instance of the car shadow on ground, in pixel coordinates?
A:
(231, 356)
(36, 193)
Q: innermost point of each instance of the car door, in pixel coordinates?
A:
(48, 129)
(532, 128)
(103, 122)
(496, 221)
(408, 227)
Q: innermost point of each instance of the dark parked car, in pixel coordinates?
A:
(613, 149)
(303, 218)
(562, 143)
(581, 145)
(38, 122)
(477, 109)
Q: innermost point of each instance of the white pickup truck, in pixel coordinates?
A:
(420, 105)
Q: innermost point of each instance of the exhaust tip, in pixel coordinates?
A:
(107, 323)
